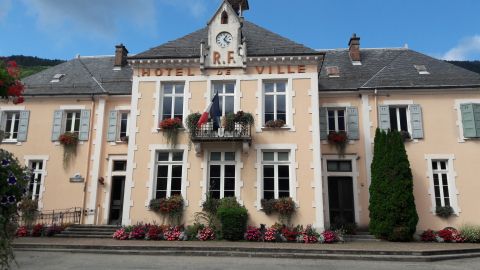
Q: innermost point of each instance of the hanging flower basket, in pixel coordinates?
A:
(11, 88)
(275, 123)
(171, 207)
(69, 141)
(339, 139)
(171, 128)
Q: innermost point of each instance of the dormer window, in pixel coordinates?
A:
(57, 77)
(333, 72)
(224, 19)
(422, 70)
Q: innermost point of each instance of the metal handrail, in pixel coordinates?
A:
(57, 217)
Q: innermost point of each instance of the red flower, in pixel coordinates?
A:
(171, 123)
(337, 137)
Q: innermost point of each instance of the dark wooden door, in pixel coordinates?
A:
(341, 202)
(116, 200)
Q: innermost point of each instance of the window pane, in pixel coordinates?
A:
(345, 166)
(229, 184)
(163, 156)
(214, 183)
(443, 165)
(167, 108)
(341, 120)
(167, 89)
(447, 202)
(217, 88)
(281, 107)
(282, 156)
(332, 166)
(160, 194)
(162, 183)
(268, 87)
(438, 202)
(229, 104)
(283, 171)
(177, 156)
(283, 184)
(230, 193)
(268, 184)
(177, 171)
(281, 86)
(445, 180)
(445, 191)
(230, 171)
(268, 156)
(176, 184)
(268, 171)
(178, 107)
(179, 89)
(162, 170)
(119, 165)
(77, 123)
(230, 156)
(269, 106)
(434, 165)
(393, 118)
(331, 121)
(215, 156)
(269, 116)
(267, 195)
(229, 88)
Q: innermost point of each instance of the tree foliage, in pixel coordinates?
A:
(393, 214)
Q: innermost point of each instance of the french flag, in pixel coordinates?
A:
(212, 110)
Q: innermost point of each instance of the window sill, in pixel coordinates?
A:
(161, 129)
(274, 129)
(10, 141)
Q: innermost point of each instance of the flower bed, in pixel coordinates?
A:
(446, 235)
(39, 230)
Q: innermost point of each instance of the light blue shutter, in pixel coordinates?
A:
(323, 123)
(23, 126)
(57, 124)
(3, 121)
(476, 116)
(84, 125)
(468, 121)
(112, 126)
(352, 123)
(416, 120)
(384, 117)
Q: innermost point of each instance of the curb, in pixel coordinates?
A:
(365, 255)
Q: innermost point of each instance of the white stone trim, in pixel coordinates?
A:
(452, 175)
(157, 98)
(12, 108)
(96, 161)
(107, 188)
(293, 169)
(354, 174)
(367, 139)
(122, 108)
(242, 77)
(336, 105)
(238, 171)
(154, 148)
(290, 109)
(458, 102)
(72, 107)
(44, 158)
(398, 102)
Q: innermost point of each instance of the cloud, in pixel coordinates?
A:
(103, 17)
(5, 6)
(466, 49)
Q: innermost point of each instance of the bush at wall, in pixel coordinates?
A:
(471, 233)
(233, 219)
(393, 215)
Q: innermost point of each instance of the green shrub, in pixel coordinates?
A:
(192, 230)
(471, 233)
(210, 205)
(392, 204)
(400, 234)
(233, 218)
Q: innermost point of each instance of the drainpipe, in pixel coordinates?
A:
(90, 142)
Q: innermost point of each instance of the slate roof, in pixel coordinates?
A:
(78, 78)
(260, 42)
(392, 69)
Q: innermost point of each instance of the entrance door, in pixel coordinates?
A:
(116, 201)
(341, 202)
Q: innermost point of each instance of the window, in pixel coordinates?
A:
(276, 174)
(224, 19)
(57, 77)
(226, 96)
(470, 114)
(72, 121)
(123, 125)
(169, 174)
(119, 166)
(440, 182)
(36, 166)
(421, 69)
(333, 72)
(336, 120)
(11, 125)
(339, 165)
(398, 118)
(221, 174)
(172, 103)
(402, 116)
(275, 106)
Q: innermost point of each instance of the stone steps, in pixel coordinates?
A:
(89, 231)
(361, 237)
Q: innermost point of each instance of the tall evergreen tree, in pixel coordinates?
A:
(393, 214)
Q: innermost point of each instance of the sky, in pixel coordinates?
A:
(61, 29)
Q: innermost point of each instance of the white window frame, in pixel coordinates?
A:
(119, 124)
(290, 110)
(354, 174)
(108, 183)
(451, 176)
(458, 103)
(275, 94)
(293, 166)
(206, 173)
(335, 110)
(174, 95)
(222, 163)
(152, 166)
(275, 163)
(75, 117)
(43, 158)
(221, 96)
(158, 99)
(16, 117)
(170, 163)
(405, 104)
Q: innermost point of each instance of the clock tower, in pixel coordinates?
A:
(225, 47)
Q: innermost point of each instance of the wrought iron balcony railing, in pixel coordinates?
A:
(237, 132)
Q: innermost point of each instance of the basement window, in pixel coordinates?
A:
(422, 69)
(333, 72)
(57, 77)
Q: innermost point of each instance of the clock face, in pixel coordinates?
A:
(224, 39)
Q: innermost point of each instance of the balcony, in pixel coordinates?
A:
(236, 132)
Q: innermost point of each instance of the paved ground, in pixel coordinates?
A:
(374, 246)
(53, 261)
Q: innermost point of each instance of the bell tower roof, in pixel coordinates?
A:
(239, 5)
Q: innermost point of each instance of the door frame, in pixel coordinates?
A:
(354, 174)
(108, 184)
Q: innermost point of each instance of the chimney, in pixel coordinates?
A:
(354, 48)
(120, 56)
